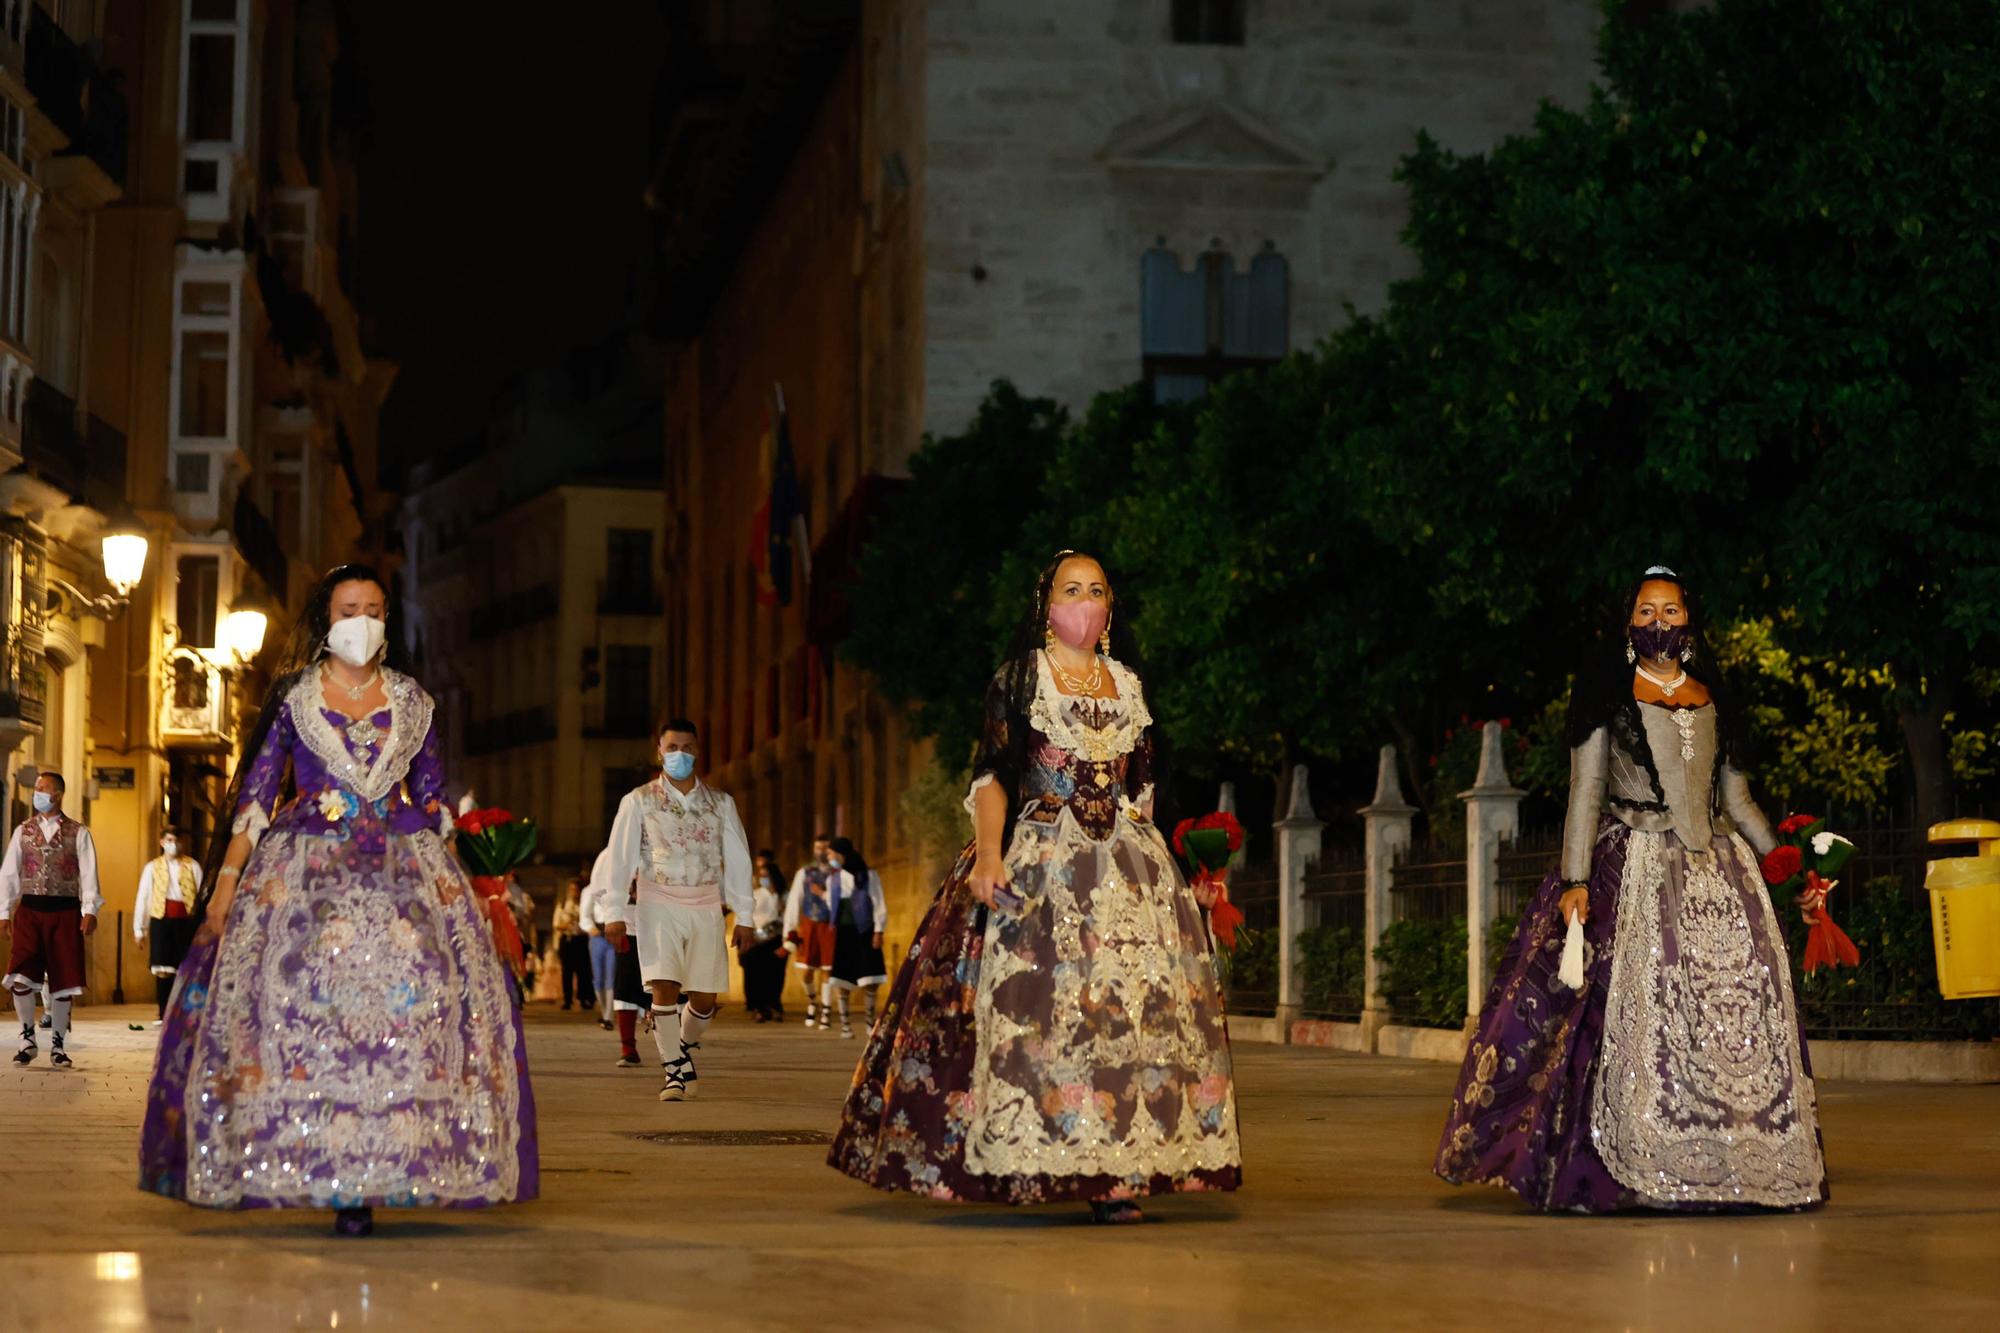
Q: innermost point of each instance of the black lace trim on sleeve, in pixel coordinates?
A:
(1628, 732)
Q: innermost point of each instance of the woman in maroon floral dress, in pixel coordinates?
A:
(1057, 1030)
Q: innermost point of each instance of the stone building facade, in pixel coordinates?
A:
(885, 206)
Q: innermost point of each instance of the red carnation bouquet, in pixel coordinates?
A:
(1206, 844)
(492, 842)
(1807, 861)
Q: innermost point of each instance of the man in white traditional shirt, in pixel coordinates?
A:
(49, 902)
(164, 907)
(685, 844)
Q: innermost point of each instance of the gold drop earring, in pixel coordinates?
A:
(1104, 639)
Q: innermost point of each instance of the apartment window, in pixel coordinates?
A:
(628, 566)
(207, 379)
(215, 42)
(191, 473)
(286, 479)
(197, 595)
(628, 688)
(1201, 324)
(20, 205)
(1208, 22)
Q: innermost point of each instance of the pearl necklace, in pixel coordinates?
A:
(1090, 685)
(1666, 687)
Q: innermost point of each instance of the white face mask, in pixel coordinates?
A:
(357, 639)
(44, 802)
(170, 848)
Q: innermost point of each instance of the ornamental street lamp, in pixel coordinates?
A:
(242, 633)
(124, 565)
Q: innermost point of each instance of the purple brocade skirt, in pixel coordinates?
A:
(351, 1042)
(1710, 1104)
(915, 1109)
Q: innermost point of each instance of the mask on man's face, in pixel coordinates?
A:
(168, 847)
(44, 802)
(679, 764)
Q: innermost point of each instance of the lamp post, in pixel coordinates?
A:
(124, 565)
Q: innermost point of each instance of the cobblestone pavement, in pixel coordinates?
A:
(1339, 1226)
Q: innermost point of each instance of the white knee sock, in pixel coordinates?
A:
(666, 1032)
(693, 1024)
(840, 999)
(869, 991)
(59, 1016)
(24, 1005)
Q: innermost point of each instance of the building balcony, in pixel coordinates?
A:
(23, 681)
(87, 463)
(78, 98)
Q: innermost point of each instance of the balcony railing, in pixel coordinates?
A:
(89, 464)
(81, 99)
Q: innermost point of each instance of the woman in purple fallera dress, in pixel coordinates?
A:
(1675, 1076)
(342, 1034)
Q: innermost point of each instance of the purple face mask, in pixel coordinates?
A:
(1659, 642)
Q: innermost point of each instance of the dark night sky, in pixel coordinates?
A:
(505, 148)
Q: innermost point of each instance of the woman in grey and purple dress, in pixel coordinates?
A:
(342, 1034)
(1675, 1077)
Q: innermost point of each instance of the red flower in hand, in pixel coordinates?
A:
(1793, 823)
(1782, 864)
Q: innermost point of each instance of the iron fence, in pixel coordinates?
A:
(1250, 970)
(1331, 950)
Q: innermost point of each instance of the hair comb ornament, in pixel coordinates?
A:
(1651, 570)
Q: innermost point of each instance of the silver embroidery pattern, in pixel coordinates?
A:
(358, 1040)
(1684, 719)
(409, 723)
(1700, 1094)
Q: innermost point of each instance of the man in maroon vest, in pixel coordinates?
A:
(48, 887)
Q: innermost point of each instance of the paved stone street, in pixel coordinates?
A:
(1340, 1225)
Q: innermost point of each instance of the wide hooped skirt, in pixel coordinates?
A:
(1676, 1078)
(1075, 1051)
(351, 1042)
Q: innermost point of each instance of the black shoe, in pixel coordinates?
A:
(57, 1055)
(606, 1024)
(1119, 1212)
(45, 1022)
(566, 1006)
(354, 1222)
(26, 1055)
(628, 1062)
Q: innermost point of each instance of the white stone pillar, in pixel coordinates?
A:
(1386, 825)
(1298, 837)
(1492, 812)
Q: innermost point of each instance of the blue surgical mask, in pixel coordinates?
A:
(679, 765)
(44, 802)
(836, 863)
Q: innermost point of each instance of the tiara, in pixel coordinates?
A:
(1660, 569)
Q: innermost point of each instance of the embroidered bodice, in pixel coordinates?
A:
(1090, 756)
(355, 777)
(1661, 770)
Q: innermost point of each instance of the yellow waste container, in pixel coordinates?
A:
(1965, 910)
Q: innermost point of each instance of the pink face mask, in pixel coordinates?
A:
(1079, 624)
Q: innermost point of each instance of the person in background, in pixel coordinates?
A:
(603, 955)
(854, 893)
(573, 946)
(48, 887)
(764, 961)
(809, 927)
(168, 887)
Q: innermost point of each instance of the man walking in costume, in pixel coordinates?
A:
(49, 897)
(685, 844)
(168, 887)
